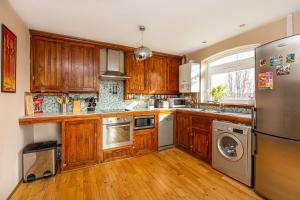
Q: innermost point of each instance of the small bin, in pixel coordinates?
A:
(39, 160)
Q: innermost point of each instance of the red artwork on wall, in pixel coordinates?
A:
(8, 55)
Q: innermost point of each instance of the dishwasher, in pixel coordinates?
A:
(165, 131)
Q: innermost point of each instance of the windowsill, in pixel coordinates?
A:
(248, 106)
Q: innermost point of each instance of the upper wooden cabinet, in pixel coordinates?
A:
(156, 75)
(83, 68)
(172, 79)
(135, 70)
(63, 66)
(46, 70)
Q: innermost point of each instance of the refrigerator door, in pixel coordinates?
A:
(276, 169)
(278, 110)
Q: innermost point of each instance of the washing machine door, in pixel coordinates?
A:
(230, 147)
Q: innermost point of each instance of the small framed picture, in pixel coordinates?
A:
(8, 61)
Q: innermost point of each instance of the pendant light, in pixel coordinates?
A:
(142, 52)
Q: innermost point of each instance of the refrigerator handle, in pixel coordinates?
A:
(253, 124)
(253, 143)
(253, 117)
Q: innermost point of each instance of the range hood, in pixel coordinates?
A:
(112, 65)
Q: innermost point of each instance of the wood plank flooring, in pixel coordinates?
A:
(166, 175)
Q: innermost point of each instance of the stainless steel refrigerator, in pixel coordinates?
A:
(277, 119)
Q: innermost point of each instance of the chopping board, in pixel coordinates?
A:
(28, 103)
(76, 106)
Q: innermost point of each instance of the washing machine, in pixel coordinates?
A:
(231, 150)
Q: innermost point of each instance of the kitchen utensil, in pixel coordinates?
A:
(76, 106)
(28, 103)
(59, 100)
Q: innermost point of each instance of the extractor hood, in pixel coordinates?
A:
(113, 60)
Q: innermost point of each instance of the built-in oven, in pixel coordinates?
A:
(144, 122)
(177, 102)
(117, 132)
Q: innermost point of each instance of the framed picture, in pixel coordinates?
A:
(8, 60)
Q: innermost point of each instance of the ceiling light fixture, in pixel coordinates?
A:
(204, 42)
(142, 52)
(242, 25)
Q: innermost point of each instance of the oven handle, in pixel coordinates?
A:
(145, 117)
(116, 126)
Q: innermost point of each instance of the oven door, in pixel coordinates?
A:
(116, 135)
(144, 122)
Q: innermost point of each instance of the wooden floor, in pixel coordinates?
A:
(169, 174)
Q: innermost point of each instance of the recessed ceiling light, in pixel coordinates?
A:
(204, 42)
(242, 25)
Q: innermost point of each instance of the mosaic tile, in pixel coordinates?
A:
(109, 100)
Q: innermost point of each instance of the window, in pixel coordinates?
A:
(235, 71)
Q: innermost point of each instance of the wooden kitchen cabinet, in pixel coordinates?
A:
(156, 75)
(183, 131)
(194, 135)
(81, 143)
(201, 137)
(156, 72)
(136, 71)
(46, 70)
(117, 153)
(172, 74)
(83, 68)
(59, 65)
(144, 141)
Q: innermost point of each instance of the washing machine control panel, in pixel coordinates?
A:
(236, 130)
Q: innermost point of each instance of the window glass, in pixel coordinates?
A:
(232, 58)
(236, 73)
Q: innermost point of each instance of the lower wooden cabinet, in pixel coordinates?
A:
(80, 143)
(117, 153)
(200, 144)
(145, 141)
(193, 135)
(183, 133)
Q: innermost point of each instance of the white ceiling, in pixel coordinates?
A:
(172, 26)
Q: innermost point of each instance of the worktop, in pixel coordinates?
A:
(59, 117)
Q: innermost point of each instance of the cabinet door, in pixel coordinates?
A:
(83, 68)
(201, 137)
(117, 153)
(144, 141)
(200, 144)
(172, 80)
(183, 131)
(156, 68)
(135, 70)
(80, 143)
(46, 70)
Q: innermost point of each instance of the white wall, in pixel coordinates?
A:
(47, 132)
(12, 136)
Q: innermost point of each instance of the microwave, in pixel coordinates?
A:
(144, 122)
(177, 102)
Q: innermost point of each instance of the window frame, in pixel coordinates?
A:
(228, 67)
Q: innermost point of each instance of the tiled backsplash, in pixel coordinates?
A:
(109, 98)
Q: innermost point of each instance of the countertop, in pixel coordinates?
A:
(58, 117)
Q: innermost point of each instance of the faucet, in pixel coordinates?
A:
(221, 108)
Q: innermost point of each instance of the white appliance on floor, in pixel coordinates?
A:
(231, 151)
(165, 131)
